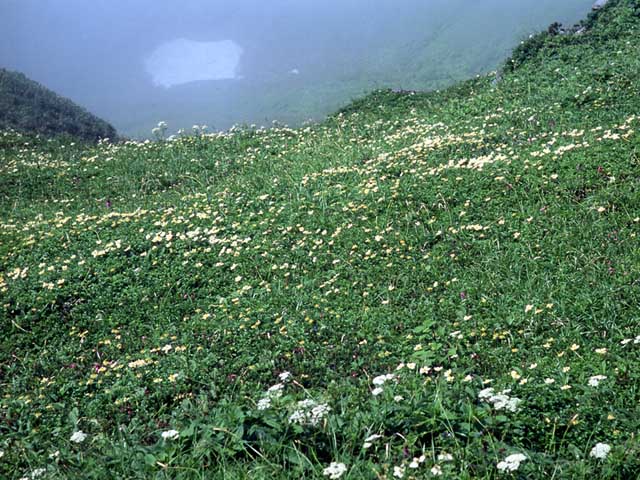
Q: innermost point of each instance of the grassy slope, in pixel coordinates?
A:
(486, 232)
(27, 106)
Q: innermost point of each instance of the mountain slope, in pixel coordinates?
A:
(26, 106)
(425, 283)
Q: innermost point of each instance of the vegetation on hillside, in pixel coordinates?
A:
(441, 284)
(28, 107)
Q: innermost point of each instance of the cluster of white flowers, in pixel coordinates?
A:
(170, 435)
(78, 437)
(160, 129)
(274, 391)
(381, 380)
(511, 463)
(335, 470)
(596, 379)
(500, 401)
(436, 470)
(309, 412)
(415, 463)
(600, 451)
(445, 457)
(38, 472)
(264, 403)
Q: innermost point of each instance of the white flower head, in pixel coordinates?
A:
(284, 376)
(275, 391)
(511, 463)
(596, 379)
(445, 457)
(600, 451)
(264, 403)
(436, 470)
(38, 472)
(335, 470)
(78, 437)
(500, 401)
(377, 391)
(398, 472)
(485, 394)
(381, 379)
(309, 412)
(170, 434)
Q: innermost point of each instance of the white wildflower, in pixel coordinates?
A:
(170, 435)
(78, 437)
(275, 391)
(445, 457)
(377, 391)
(595, 380)
(436, 470)
(309, 412)
(335, 470)
(600, 451)
(38, 472)
(284, 376)
(485, 394)
(398, 472)
(500, 401)
(264, 403)
(512, 462)
(381, 379)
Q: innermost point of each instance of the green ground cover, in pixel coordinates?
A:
(423, 285)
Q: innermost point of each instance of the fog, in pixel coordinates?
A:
(220, 63)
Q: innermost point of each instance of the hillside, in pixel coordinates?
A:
(439, 284)
(28, 107)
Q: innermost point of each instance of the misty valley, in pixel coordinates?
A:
(220, 64)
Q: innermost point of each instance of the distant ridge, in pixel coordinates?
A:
(28, 107)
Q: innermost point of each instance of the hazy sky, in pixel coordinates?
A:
(136, 62)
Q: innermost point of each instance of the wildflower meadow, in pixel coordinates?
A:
(441, 284)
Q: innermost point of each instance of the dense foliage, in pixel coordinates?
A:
(28, 107)
(442, 284)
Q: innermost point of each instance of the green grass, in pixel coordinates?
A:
(484, 236)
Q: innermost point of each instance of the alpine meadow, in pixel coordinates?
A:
(425, 284)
